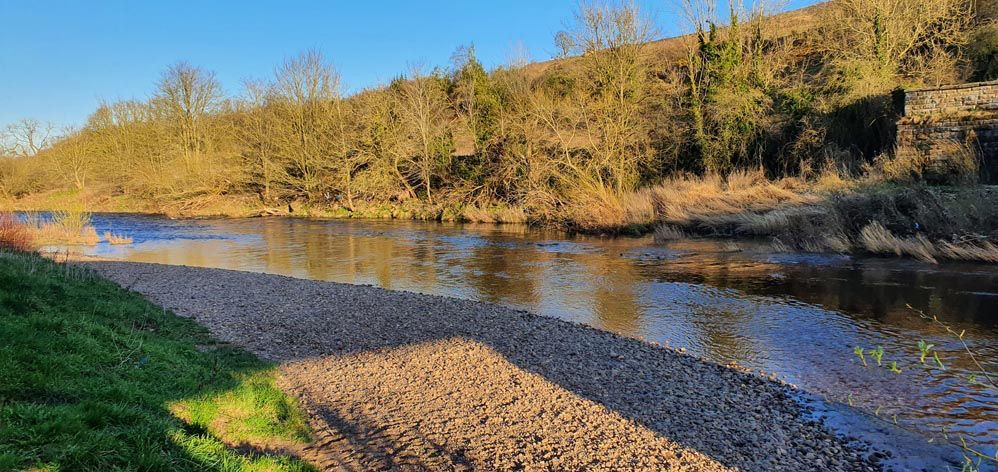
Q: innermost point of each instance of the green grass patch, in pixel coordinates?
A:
(93, 377)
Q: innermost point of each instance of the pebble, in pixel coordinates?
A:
(396, 381)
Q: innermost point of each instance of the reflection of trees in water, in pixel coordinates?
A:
(383, 261)
(277, 250)
(332, 251)
(877, 291)
(323, 249)
(722, 332)
(614, 285)
(503, 275)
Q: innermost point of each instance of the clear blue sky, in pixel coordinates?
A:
(59, 59)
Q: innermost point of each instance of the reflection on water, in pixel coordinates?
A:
(798, 316)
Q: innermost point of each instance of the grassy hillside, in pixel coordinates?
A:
(568, 141)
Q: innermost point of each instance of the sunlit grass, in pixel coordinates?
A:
(89, 373)
(255, 412)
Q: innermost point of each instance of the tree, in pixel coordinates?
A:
(611, 37)
(425, 119)
(255, 131)
(74, 159)
(724, 84)
(564, 43)
(305, 100)
(896, 36)
(188, 95)
(26, 137)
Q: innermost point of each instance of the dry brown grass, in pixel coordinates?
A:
(715, 200)
(14, 234)
(494, 214)
(744, 202)
(956, 163)
(665, 233)
(878, 239)
(606, 211)
(64, 228)
(832, 212)
(117, 239)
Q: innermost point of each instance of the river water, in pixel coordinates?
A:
(798, 316)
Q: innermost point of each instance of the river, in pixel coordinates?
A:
(797, 316)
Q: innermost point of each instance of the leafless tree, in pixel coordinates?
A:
(425, 117)
(565, 44)
(26, 137)
(188, 95)
(305, 97)
(897, 34)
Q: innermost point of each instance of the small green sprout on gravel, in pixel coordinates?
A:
(859, 353)
(877, 354)
(924, 348)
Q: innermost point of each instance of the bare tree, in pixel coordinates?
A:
(892, 34)
(565, 44)
(27, 137)
(255, 131)
(188, 95)
(612, 37)
(73, 159)
(424, 113)
(305, 97)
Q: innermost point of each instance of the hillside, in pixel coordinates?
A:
(673, 49)
(571, 142)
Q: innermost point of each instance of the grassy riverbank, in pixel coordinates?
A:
(827, 212)
(93, 377)
(833, 214)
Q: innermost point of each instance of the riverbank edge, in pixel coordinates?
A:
(908, 450)
(920, 222)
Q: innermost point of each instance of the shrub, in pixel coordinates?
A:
(14, 234)
(983, 53)
(950, 162)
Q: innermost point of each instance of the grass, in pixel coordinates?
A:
(93, 377)
(116, 239)
(493, 214)
(71, 227)
(713, 200)
(832, 212)
(954, 162)
(14, 235)
(64, 228)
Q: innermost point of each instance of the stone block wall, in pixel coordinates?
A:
(951, 99)
(941, 125)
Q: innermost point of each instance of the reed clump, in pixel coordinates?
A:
(117, 239)
(15, 235)
(70, 227)
(832, 212)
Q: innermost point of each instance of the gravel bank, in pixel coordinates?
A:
(396, 380)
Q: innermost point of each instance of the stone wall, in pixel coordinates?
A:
(942, 125)
(951, 99)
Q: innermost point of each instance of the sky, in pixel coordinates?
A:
(60, 59)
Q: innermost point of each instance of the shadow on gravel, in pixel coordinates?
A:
(396, 380)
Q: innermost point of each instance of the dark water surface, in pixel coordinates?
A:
(796, 315)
